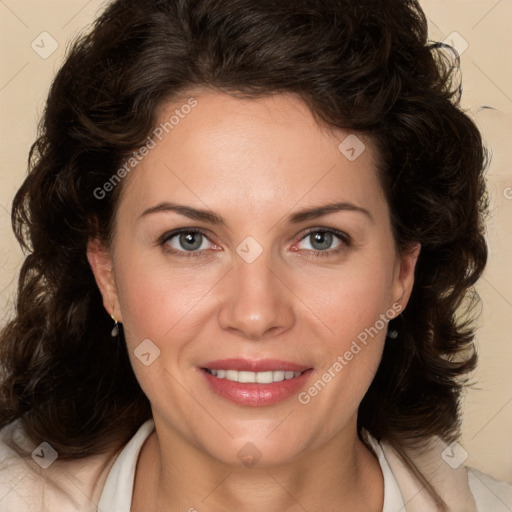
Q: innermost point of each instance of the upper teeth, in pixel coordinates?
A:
(258, 377)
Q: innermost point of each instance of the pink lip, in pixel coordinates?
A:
(251, 394)
(247, 365)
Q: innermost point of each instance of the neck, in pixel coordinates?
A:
(340, 476)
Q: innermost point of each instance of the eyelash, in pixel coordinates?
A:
(343, 237)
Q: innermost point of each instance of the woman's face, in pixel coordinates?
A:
(265, 281)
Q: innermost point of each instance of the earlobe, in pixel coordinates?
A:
(404, 278)
(100, 261)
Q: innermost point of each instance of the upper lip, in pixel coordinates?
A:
(251, 365)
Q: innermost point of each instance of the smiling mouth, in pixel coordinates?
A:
(247, 377)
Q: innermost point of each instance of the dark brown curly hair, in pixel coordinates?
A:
(361, 65)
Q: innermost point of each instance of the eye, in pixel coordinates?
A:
(184, 241)
(324, 241)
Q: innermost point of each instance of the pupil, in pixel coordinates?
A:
(190, 241)
(322, 239)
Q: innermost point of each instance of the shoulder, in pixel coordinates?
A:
(34, 479)
(463, 489)
(489, 494)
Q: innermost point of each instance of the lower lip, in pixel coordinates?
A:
(256, 395)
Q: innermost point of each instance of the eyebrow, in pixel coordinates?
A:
(297, 217)
(186, 211)
(320, 211)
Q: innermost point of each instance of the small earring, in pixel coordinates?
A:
(393, 334)
(115, 330)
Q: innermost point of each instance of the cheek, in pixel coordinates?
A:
(349, 300)
(350, 359)
(157, 299)
(355, 308)
(168, 306)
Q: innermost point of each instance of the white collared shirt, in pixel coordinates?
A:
(102, 483)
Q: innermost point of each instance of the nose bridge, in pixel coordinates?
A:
(255, 301)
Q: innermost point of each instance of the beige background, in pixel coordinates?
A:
(481, 25)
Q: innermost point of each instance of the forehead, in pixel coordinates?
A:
(265, 153)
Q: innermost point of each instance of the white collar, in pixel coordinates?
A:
(118, 489)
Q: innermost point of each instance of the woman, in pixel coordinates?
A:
(251, 228)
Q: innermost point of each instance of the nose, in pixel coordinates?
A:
(256, 302)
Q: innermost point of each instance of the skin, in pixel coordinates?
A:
(254, 162)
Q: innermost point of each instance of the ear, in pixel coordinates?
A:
(404, 276)
(100, 261)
